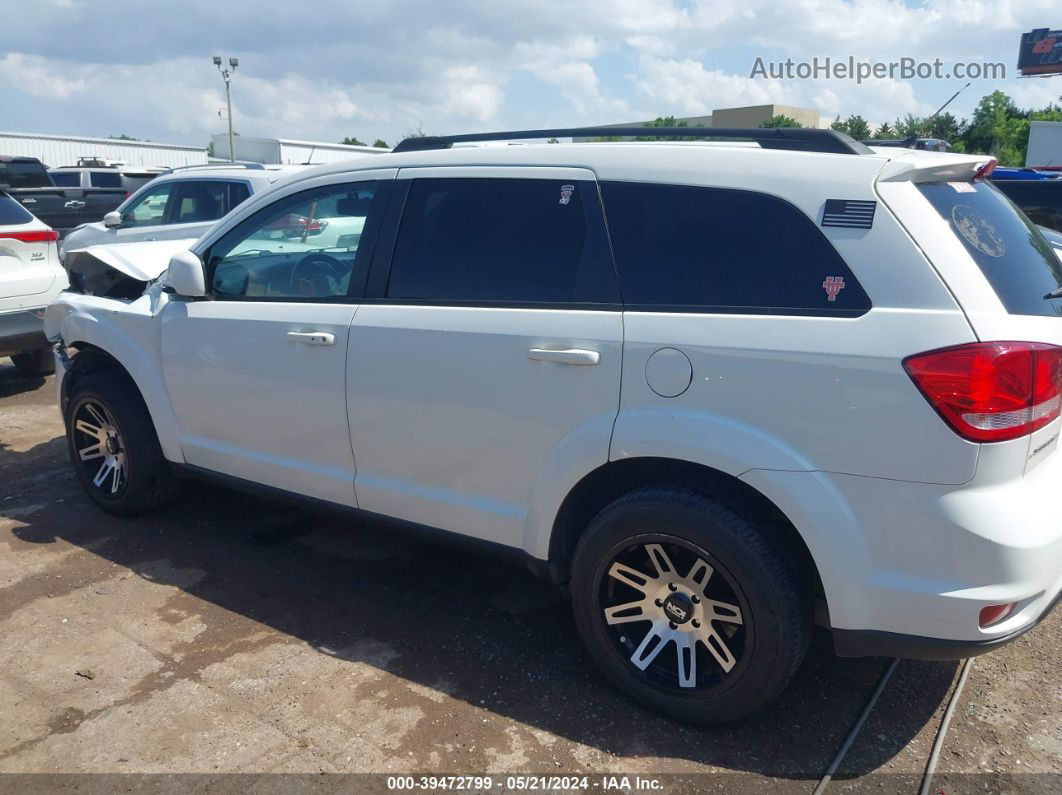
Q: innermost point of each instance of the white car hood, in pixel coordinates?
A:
(143, 260)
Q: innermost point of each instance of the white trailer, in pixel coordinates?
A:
(65, 150)
(286, 151)
(1045, 144)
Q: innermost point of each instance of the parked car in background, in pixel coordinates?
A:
(182, 203)
(62, 208)
(30, 277)
(91, 173)
(1040, 199)
(1007, 173)
(718, 391)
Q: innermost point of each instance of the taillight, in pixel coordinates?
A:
(992, 391)
(36, 236)
(984, 170)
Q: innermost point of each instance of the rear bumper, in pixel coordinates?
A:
(21, 331)
(871, 643)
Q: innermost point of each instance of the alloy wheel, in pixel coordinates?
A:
(100, 447)
(676, 615)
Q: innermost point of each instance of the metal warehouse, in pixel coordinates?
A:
(64, 150)
(287, 151)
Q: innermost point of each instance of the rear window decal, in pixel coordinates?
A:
(978, 231)
(849, 213)
(962, 187)
(566, 193)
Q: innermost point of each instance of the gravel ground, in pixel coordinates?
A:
(231, 635)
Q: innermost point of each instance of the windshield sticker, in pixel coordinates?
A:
(978, 231)
(962, 187)
(832, 286)
(566, 193)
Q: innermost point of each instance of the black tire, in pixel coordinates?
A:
(145, 480)
(35, 363)
(763, 645)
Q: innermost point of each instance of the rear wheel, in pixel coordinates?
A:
(34, 363)
(686, 606)
(113, 446)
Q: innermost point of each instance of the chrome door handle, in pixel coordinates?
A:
(574, 356)
(312, 337)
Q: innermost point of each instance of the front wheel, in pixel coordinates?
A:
(687, 607)
(113, 446)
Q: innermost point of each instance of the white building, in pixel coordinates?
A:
(64, 150)
(286, 151)
(1045, 144)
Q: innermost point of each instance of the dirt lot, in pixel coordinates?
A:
(230, 635)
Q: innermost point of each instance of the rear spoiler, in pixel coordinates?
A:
(937, 168)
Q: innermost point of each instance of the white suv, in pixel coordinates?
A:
(719, 391)
(30, 277)
(180, 204)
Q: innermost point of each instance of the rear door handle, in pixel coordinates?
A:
(574, 356)
(312, 337)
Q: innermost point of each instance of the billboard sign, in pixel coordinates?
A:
(1040, 53)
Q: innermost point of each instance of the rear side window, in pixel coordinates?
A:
(66, 179)
(692, 249)
(11, 212)
(105, 179)
(1004, 243)
(203, 200)
(501, 240)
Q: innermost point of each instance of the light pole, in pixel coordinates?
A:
(226, 74)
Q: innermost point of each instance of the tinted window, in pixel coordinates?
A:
(200, 201)
(1004, 243)
(23, 174)
(11, 212)
(303, 246)
(66, 179)
(105, 179)
(149, 208)
(708, 249)
(500, 240)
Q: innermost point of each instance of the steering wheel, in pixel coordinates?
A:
(315, 275)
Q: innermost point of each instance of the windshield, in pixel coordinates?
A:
(1007, 247)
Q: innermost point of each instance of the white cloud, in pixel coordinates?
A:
(470, 91)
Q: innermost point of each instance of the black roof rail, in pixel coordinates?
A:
(793, 138)
(237, 164)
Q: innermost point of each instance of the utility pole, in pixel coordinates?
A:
(226, 75)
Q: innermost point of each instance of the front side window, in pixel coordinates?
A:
(149, 209)
(691, 249)
(301, 247)
(500, 240)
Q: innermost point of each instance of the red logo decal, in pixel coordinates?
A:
(832, 286)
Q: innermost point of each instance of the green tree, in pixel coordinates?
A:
(123, 137)
(780, 121)
(352, 141)
(552, 141)
(885, 132)
(380, 143)
(855, 126)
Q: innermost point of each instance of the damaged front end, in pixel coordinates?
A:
(120, 270)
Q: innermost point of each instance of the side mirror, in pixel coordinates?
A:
(112, 220)
(185, 275)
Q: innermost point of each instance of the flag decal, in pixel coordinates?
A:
(850, 213)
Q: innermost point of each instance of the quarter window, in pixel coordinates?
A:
(693, 249)
(306, 246)
(105, 179)
(501, 240)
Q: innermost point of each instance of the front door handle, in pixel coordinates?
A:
(312, 337)
(574, 356)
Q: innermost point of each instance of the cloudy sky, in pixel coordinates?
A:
(325, 69)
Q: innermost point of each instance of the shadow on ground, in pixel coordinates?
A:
(503, 640)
